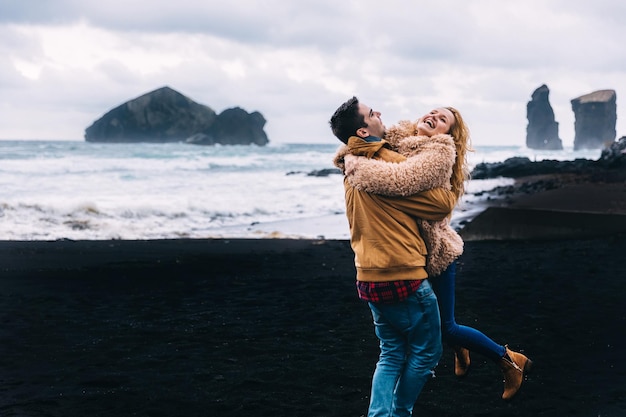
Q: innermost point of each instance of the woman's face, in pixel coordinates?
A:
(437, 121)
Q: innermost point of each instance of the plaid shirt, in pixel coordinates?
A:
(387, 292)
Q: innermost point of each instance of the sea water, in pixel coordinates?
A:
(76, 190)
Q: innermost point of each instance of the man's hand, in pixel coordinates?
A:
(351, 163)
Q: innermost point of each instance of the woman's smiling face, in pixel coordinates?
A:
(435, 122)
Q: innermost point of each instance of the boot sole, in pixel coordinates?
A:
(528, 366)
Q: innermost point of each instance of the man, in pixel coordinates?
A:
(390, 259)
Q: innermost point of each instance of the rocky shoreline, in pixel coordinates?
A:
(536, 176)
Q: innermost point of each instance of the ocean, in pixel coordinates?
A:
(76, 190)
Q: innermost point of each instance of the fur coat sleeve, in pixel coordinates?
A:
(396, 133)
(428, 165)
(339, 158)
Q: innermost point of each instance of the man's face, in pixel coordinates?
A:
(375, 126)
(437, 121)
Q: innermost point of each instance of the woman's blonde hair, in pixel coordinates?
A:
(460, 171)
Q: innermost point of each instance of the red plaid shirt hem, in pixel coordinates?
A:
(387, 292)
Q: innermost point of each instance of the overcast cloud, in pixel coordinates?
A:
(67, 62)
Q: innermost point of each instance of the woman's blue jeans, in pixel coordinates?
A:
(410, 348)
(454, 334)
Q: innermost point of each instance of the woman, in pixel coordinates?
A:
(432, 153)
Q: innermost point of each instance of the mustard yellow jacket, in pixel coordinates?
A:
(384, 232)
(429, 165)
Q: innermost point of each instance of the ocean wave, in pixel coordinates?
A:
(75, 190)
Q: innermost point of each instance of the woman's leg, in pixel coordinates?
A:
(458, 335)
(513, 364)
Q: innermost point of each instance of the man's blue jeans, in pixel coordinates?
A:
(410, 348)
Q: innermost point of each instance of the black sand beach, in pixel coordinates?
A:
(274, 328)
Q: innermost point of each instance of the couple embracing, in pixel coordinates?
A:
(401, 185)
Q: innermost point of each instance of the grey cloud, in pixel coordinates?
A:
(400, 55)
(44, 12)
(275, 22)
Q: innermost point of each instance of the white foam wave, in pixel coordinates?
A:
(70, 190)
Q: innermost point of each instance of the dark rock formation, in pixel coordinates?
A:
(596, 116)
(542, 131)
(523, 167)
(324, 172)
(615, 155)
(611, 165)
(234, 127)
(165, 115)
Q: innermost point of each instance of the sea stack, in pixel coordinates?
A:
(542, 131)
(596, 117)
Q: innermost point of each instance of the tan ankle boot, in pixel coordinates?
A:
(513, 366)
(461, 361)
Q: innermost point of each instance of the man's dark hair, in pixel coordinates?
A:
(347, 120)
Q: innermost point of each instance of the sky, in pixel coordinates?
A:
(67, 62)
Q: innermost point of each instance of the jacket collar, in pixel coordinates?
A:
(358, 146)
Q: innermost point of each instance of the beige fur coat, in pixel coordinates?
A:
(428, 165)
